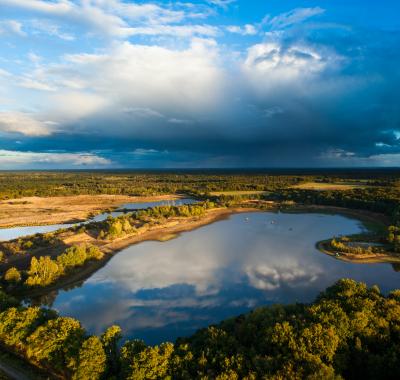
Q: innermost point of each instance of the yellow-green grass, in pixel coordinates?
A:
(249, 192)
(328, 186)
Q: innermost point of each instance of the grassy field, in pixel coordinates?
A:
(30, 211)
(328, 186)
(249, 192)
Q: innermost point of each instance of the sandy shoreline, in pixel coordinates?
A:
(176, 226)
(373, 258)
(155, 233)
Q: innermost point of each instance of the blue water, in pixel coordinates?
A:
(17, 232)
(158, 291)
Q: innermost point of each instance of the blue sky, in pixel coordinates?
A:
(218, 83)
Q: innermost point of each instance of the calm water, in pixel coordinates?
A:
(158, 291)
(17, 232)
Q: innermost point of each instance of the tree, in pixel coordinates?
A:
(148, 362)
(110, 340)
(56, 344)
(42, 272)
(13, 275)
(92, 360)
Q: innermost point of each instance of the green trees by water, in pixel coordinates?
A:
(120, 226)
(394, 237)
(350, 332)
(44, 271)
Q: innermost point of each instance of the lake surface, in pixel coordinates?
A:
(158, 291)
(17, 232)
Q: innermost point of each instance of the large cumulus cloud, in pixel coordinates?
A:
(304, 94)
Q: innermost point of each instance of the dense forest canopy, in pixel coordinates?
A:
(350, 331)
(19, 184)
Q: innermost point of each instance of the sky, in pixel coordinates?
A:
(199, 84)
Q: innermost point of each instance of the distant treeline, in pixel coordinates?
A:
(21, 184)
(16, 185)
(384, 200)
(350, 331)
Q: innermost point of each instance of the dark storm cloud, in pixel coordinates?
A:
(315, 95)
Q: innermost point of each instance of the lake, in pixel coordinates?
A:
(17, 232)
(158, 291)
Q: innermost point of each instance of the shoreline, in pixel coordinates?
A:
(174, 228)
(113, 203)
(376, 258)
(112, 248)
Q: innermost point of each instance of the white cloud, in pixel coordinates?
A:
(114, 18)
(35, 85)
(142, 81)
(34, 58)
(16, 158)
(246, 30)
(292, 17)
(271, 278)
(278, 63)
(337, 156)
(11, 27)
(143, 112)
(51, 29)
(175, 30)
(23, 123)
(222, 3)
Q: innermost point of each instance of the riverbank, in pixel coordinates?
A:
(370, 258)
(171, 228)
(40, 211)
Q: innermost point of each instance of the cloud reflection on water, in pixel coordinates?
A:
(160, 290)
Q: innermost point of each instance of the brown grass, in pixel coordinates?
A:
(33, 211)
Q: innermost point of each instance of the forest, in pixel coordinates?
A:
(350, 331)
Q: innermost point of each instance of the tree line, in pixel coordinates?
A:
(349, 332)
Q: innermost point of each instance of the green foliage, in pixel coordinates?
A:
(350, 331)
(92, 360)
(110, 340)
(6, 301)
(15, 185)
(45, 271)
(56, 344)
(12, 275)
(142, 362)
(344, 246)
(42, 272)
(394, 237)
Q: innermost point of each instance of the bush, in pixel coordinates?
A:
(13, 275)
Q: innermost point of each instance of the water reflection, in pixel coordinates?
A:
(158, 291)
(17, 232)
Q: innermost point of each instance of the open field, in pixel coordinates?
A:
(320, 186)
(249, 192)
(31, 211)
